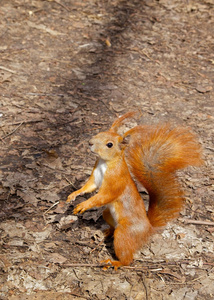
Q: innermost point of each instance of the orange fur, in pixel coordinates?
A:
(152, 156)
(118, 191)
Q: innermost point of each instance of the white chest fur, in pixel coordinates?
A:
(99, 172)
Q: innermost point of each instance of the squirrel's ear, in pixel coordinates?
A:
(118, 122)
(123, 142)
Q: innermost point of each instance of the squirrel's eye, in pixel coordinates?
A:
(109, 145)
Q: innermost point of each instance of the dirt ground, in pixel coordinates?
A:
(68, 68)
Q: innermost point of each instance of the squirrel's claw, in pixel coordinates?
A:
(108, 263)
(71, 197)
(80, 208)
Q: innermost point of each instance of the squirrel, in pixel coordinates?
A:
(151, 157)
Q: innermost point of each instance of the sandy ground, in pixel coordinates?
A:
(67, 70)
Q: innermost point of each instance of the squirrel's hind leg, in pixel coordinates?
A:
(125, 245)
(109, 219)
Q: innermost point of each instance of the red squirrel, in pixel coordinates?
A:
(151, 157)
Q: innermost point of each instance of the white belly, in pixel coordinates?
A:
(113, 214)
(99, 172)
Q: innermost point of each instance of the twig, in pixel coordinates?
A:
(209, 264)
(59, 3)
(145, 286)
(82, 265)
(50, 208)
(137, 268)
(8, 70)
(45, 94)
(101, 266)
(70, 183)
(95, 248)
(197, 222)
(23, 122)
(4, 137)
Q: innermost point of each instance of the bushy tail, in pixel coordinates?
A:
(154, 154)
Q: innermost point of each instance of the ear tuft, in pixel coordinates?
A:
(118, 122)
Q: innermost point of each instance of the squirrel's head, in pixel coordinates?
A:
(109, 144)
(106, 145)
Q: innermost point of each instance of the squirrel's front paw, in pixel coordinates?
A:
(80, 208)
(71, 197)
